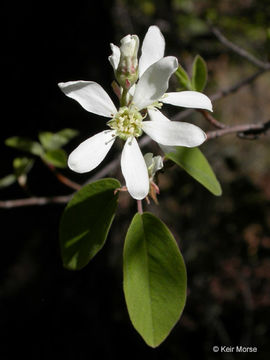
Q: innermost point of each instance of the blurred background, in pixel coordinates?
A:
(46, 310)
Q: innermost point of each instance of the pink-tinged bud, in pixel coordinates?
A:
(127, 70)
(128, 84)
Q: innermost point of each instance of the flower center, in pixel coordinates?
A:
(127, 122)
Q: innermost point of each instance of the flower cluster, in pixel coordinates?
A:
(142, 86)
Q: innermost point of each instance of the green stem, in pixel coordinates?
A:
(123, 100)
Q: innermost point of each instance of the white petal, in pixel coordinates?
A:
(153, 48)
(134, 170)
(90, 95)
(174, 133)
(154, 82)
(89, 154)
(129, 46)
(115, 57)
(154, 115)
(148, 158)
(188, 99)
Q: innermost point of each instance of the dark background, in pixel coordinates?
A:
(46, 310)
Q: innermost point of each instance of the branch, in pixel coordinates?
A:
(240, 51)
(246, 131)
(63, 179)
(8, 204)
(232, 89)
(211, 119)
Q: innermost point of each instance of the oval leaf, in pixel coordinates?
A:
(183, 78)
(57, 158)
(154, 278)
(25, 144)
(53, 141)
(199, 74)
(22, 166)
(7, 181)
(86, 222)
(196, 165)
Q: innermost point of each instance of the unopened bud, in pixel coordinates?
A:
(127, 71)
(153, 164)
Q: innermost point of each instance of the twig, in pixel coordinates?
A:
(63, 179)
(240, 51)
(8, 204)
(232, 89)
(249, 131)
(211, 119)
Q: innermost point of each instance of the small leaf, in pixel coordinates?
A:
(86, 222)
(57, 158)
(25, 144)
(22, 165)
(196, 165)
(68, 134)
(46, 139)
(154, 278)
(183, 78)
(53, 141)
(199, 74)
(7, 181)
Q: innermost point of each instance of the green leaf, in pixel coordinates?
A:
(154, 278)
(86, 222)
(53, 141)
(7, 181)
(57, 158)
(199, 74)
(183, 78)
(22, 165)
(25, 144)
(196, 165)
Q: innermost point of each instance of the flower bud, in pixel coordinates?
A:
(153, 164)
(127, 71)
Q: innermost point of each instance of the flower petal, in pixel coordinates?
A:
(90, 95)
(154, 82)
(115, 57)
(134, 170)
(174, 133)
(90, 153)
(153, 48)
(154, 115)
(188, 99)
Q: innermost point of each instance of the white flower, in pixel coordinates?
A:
(128, 121)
